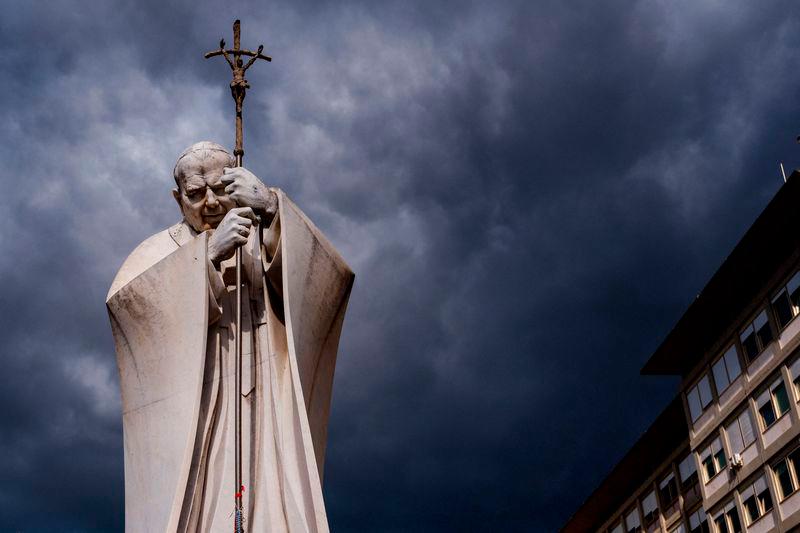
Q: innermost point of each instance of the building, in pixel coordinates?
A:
(724, 456)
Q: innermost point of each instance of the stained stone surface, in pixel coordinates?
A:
(171, 307)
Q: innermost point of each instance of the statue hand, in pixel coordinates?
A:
(249, 191)
(231, 233)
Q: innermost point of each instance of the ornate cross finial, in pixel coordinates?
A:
(239, 84)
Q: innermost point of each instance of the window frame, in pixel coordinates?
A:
(773, 402)
(755, 496)
(725, 515)
(631, 512)
(718, 459)
(737, 422)
(688, 484)
(760, 345)
(656, 511)
(794, 371)
(696, 388)
(794, 308)
(791, 468)
(665, 480)
(724, 360)
(702, 518)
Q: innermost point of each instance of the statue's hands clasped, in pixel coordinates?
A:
(247, 190)
(231, 233)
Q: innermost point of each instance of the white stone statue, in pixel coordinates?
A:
(171, 307)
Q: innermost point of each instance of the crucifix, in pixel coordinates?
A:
(239, 87)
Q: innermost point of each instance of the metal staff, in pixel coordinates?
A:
(239, 86)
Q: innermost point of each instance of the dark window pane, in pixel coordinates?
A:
(766, 500)
(736, 526)
(720, 456)
(794, 458)
(783, 309)
(689, 482)
(784, 479)
(708, 464)
(722, 526)
(795, 297)
(751, 509)
(764, 335)
(767, 414)
(750, 347)
(669, 493)
(699, 521)
(781, 398)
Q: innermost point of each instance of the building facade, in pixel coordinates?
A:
(724, 456)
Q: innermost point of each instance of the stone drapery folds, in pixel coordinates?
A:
(170, 311)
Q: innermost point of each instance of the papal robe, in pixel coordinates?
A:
(172, 315)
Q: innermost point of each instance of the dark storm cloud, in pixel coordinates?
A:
(530, 194)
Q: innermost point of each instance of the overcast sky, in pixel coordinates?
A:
(530, 194)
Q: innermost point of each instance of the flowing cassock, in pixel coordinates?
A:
(171, 314)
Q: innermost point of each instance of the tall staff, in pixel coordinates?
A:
(239, 86)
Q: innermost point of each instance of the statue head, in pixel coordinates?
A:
(200, 194)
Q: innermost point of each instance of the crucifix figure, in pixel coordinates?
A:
(239, 84)
(227, 326)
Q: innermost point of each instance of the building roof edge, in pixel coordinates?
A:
(774, 237)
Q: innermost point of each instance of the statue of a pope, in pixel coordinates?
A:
(171, 307)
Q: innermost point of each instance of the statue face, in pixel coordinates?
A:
(201, 195)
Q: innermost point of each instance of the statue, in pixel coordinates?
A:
(171, 307)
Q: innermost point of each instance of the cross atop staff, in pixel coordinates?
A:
(239, 87)
(239, 84)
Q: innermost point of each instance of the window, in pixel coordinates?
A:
(713, 459)
(787, 303)
(756, 500)
(650, 508)
(668, 491)
(618, 529)
(632, 523)
(784, 478)
(688, 471)
(794, 370)
(726, 369)
(680, 528)
(733, 518)
(740, 432)
(699, 397)
(698, 523)
(728, 520)
(786, 474)
(773, 403)
(756, 336)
